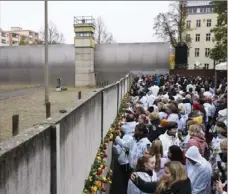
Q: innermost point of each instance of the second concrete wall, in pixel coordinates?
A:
(112, 61)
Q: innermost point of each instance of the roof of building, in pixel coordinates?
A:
(197, 3)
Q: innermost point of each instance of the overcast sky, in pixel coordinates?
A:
(129, 21)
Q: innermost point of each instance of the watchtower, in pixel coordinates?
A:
(84, 42)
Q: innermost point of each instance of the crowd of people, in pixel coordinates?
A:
(174, 136)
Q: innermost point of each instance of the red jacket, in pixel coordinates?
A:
(199, 142)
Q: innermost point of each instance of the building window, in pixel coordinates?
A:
(197, 50)
(203, 10)
(207, 52)
(3, 41)
(15, 42)
(197, 37)
(208, 22)
(192, 10)
(198, 23)
(206, 9)
(208, 37)
(14, 35)
(188, 37)
(206, 66)
(3, 34)
(188, 23)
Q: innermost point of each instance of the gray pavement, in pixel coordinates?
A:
(5, 95)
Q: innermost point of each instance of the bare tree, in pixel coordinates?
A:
(101, 34)
(54, 36)
(171, 26)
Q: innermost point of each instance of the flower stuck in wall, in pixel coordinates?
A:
(97, 180)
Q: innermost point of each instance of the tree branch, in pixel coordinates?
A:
(54, 36)
(102, 35)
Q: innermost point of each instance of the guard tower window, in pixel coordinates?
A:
(84, 34)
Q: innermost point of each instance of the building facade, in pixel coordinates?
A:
(4, 38)
(200, 21)
(16, 36)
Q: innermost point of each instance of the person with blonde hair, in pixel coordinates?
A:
(161, 109)
(197, 138)
(156, 150)
(174, 181)
(188, 124)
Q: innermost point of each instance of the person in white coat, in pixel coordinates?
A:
(173, 115)
(170, 137)
(154, 89)
(138, 146)
(145, 170)
(199, 171)
(129, 126)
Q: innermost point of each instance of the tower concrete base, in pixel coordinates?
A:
(84, 67)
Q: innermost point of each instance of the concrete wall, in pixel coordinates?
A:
(112, 61)
(25, 166)
(25, 64)
(57, 157)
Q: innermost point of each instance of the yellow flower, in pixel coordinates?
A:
(98, 158)
(94, 189)
(110, 182)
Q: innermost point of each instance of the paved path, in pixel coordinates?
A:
(5, 95)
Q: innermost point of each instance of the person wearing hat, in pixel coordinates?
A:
(196, 114)
(199, 171)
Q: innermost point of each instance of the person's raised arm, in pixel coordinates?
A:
(146, 187)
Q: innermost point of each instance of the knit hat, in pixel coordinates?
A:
(164, 122)
(196, 105)
(198, 120)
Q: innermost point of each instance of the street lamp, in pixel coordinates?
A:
(46, 76)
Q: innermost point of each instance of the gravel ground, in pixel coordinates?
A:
(31, 109)
(13, 87)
